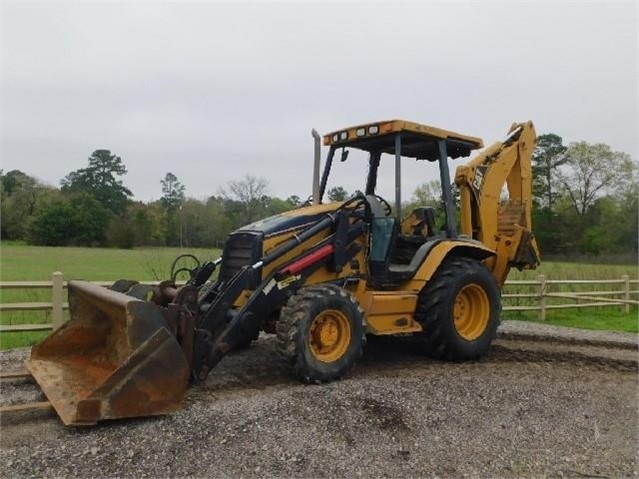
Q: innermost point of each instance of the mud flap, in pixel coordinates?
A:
(115, 358)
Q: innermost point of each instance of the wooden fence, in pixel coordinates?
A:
(542, 289)
(535, 299)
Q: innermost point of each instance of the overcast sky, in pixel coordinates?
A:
(212, 91)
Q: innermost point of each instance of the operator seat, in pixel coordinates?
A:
(410, 250)
(421, 222)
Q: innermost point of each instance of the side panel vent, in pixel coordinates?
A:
(241, 249)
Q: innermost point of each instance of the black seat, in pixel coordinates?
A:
(416, 229)
(426, 218)
(396, 257)
(407, 271)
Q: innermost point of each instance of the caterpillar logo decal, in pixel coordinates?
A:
(478, 181)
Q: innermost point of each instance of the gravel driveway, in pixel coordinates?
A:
(539, 404)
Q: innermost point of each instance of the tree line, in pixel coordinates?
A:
(585, 198)
(585, 203)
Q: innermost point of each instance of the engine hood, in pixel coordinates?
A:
(290, 220)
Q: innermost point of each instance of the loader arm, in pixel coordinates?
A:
(503, 225)
(220, 330)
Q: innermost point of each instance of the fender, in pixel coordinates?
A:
(458, 247)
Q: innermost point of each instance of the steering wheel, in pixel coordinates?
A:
(388, 209)
(175, 270)
(380, 208)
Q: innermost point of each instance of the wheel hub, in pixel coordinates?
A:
(471, 312)
(329, 335)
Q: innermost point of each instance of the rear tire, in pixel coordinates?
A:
(459, 310)
(321, 333)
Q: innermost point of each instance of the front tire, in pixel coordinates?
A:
(321, 333)
(459, 310)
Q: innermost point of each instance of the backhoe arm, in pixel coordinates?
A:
(502, 224)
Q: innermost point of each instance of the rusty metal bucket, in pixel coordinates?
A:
(115, 358)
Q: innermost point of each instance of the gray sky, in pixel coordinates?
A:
(212, 91)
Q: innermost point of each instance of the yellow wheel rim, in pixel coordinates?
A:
(329, 335)
(471, 312)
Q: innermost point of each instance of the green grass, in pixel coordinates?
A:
(21, 339)
(565, 270)
(34, 263)
(605, 318)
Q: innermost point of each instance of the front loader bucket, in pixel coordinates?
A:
(115, 358)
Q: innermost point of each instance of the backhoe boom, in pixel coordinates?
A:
(501, 223)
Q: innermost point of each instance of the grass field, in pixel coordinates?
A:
(36, 263)
(33, 263)
(563, 270)
(605, 318)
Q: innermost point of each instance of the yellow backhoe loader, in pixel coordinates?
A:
(321, 277)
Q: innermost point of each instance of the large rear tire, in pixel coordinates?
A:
(321, 333)
(459, 310)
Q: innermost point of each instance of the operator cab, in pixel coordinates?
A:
(397, 248)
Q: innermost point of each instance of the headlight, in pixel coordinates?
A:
(343, 135)
(335, 137)
(373, 130)
(361, 132)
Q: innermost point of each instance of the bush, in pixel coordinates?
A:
(79, 220)
(52, 225)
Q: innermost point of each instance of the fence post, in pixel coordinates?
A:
(56, 299)
(626, 295)
(542, 297)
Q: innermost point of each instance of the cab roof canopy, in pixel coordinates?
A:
(417, 141)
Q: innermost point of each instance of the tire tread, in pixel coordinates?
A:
(294, 313)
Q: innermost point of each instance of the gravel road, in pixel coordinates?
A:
(544, 402)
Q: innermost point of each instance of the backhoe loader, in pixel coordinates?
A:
(320, 277)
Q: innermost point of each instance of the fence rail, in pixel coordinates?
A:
(541, 291)
(536, 299)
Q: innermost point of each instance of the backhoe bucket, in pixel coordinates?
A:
(115, 358)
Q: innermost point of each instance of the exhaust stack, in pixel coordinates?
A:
(316, 167)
